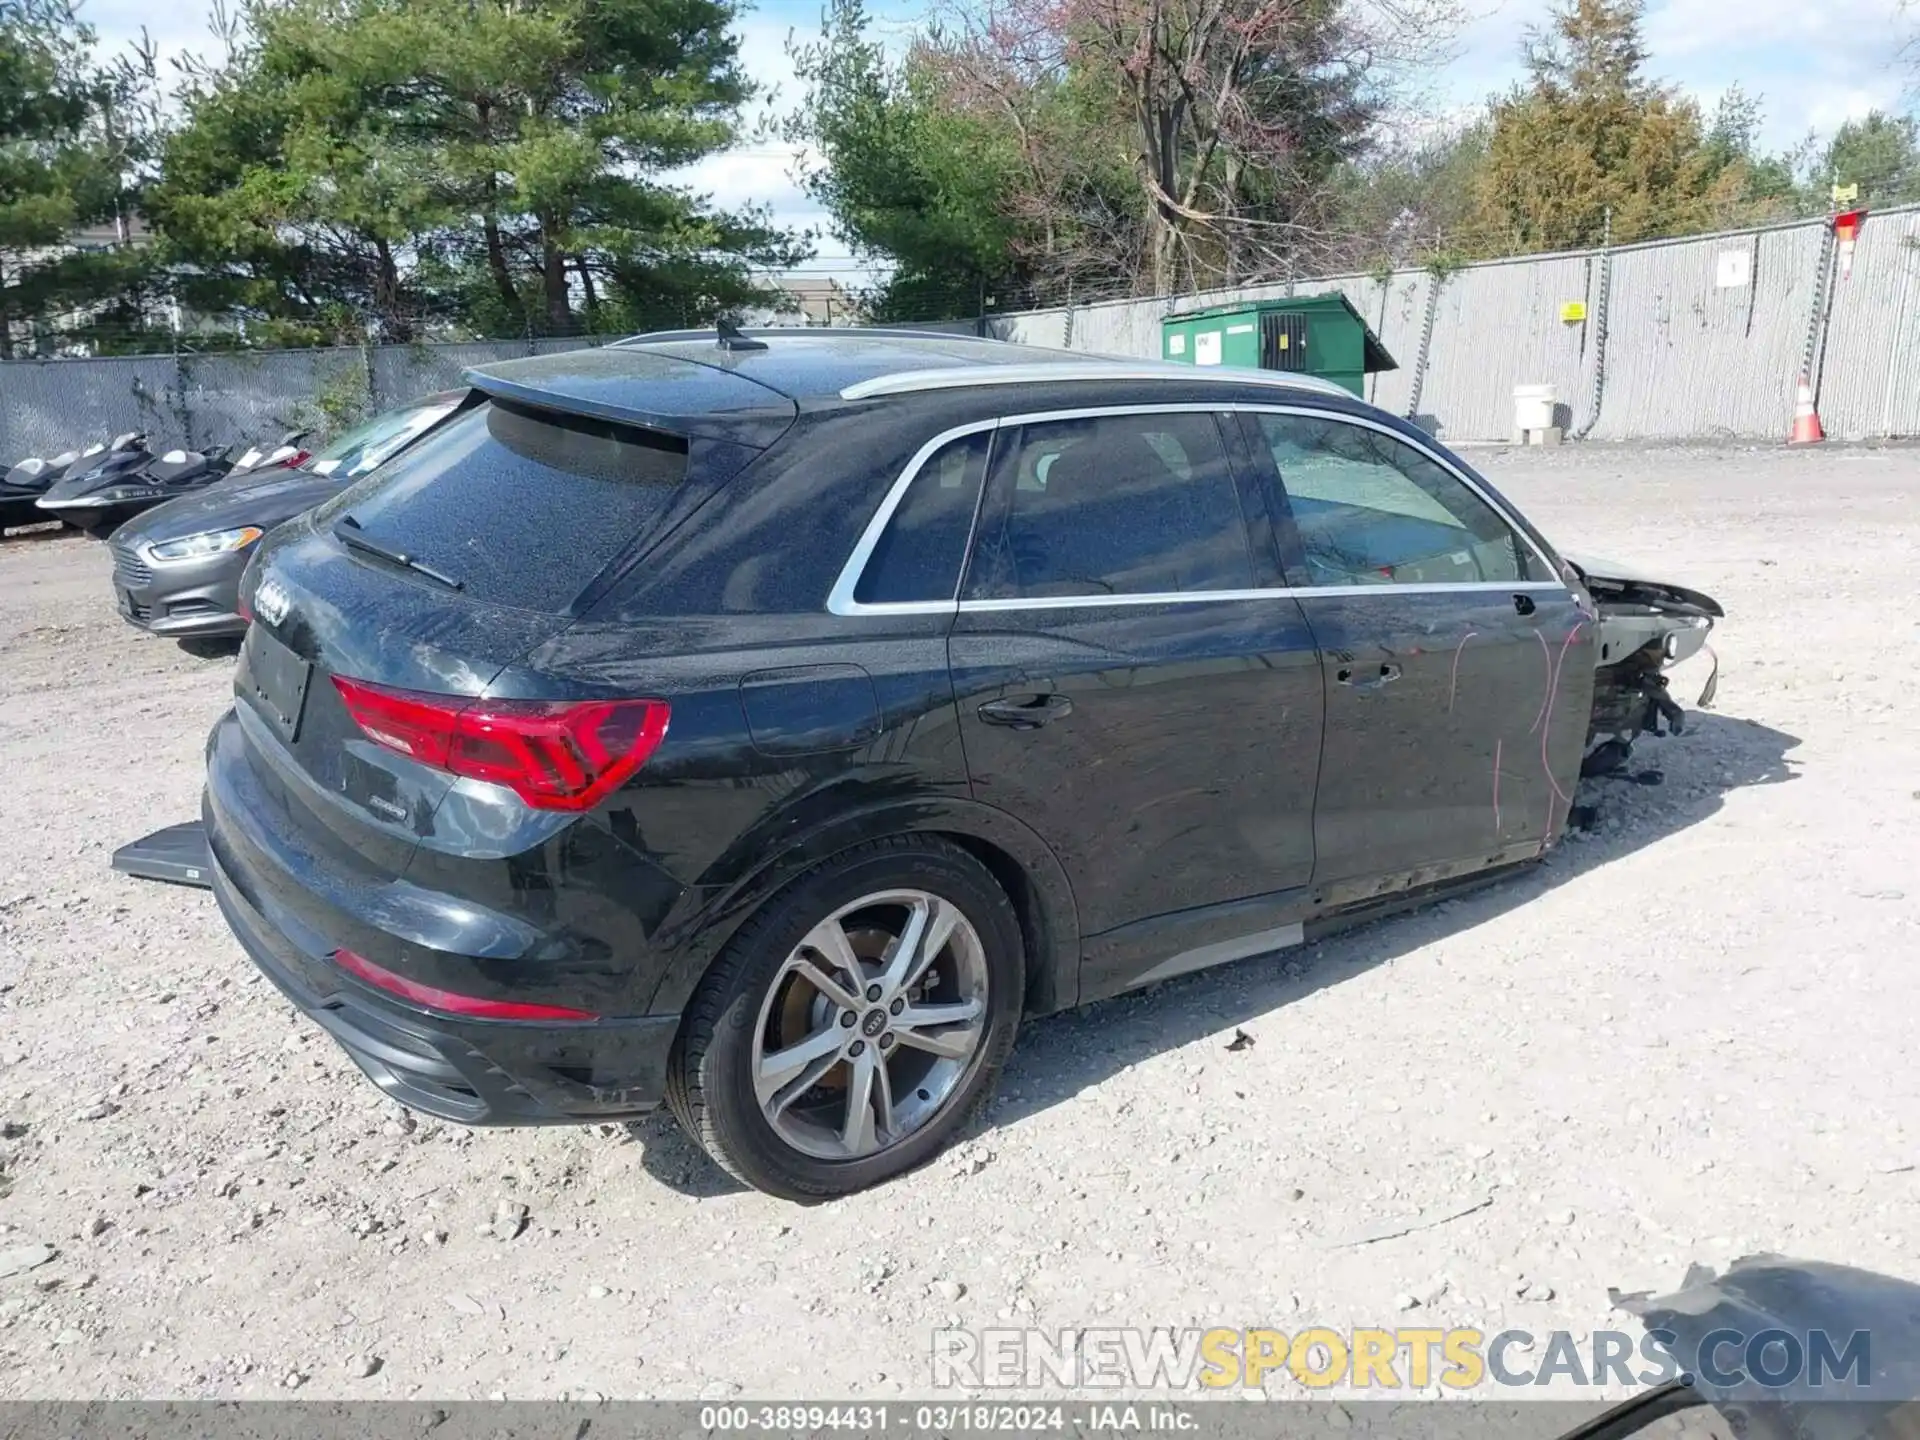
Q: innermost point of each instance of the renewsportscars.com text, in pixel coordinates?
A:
(1403, 1358)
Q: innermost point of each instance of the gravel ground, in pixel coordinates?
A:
(1682, 1039)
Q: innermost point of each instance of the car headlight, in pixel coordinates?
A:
(211, 542)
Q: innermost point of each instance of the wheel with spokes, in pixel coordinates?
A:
(854, 1026)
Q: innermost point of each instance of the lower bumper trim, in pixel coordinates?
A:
(469, 1072)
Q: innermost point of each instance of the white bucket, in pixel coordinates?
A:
(1533, 407)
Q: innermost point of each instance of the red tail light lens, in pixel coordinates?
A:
(555, 755)
(434, 998)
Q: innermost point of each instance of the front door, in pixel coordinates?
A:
(1132, 682)
(1459, 670)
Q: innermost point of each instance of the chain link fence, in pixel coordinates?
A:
(47, 406)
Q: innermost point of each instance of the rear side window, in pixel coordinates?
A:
(1372, 510)
(523, 507)
(1111, 505)
(921, 550)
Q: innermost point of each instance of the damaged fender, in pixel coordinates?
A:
(1647, 625)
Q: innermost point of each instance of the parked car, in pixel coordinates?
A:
(768, 727)
(177, 568)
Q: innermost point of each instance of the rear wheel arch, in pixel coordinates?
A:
(1031, 876)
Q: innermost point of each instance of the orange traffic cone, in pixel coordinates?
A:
(1806, 419)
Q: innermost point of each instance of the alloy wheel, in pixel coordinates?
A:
(870, 1024)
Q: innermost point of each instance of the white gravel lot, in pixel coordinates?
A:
(1686, 1037)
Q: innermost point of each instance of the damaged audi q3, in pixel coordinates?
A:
(767, 725)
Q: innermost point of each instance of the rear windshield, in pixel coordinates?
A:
(523, 507)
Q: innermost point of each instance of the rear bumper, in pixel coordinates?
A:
(475, 1072)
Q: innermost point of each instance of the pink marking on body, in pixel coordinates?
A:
(1553, 685)
(1546, 656)
(1496, 788)
(1453, 684)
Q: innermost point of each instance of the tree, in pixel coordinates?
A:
(1093, 147)
(286, 199)
(905, 176)
(1412, 198)
(64, 164)
(1880, 154)
(1232, 115)
(495, 161)
(1590, 133)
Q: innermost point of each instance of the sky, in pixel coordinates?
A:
(1812, 63)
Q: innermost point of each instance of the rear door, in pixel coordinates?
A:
(1132, 681)
(1458, 670)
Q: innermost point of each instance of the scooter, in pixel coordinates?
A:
(102, 502)
(23, 485)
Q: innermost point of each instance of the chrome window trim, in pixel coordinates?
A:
(965, 377)
(840, 599)
(1201, 597)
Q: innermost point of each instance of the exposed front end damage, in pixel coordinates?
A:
(1647, 626)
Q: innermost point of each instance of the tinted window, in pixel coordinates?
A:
(1114, 505)
(1372, 510)
(920, 551)
(522, 506)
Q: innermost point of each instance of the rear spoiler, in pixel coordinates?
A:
(645, 389)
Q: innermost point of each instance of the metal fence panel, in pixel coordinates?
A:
(259, 395)
(1870, 382)
(1498, 326)
(402, 372)
(1032, 327)
(48, 406)
(1689, 357)
(1398, 314)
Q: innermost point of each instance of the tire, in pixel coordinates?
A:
(753, 1005)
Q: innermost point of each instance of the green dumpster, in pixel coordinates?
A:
(1319, 335)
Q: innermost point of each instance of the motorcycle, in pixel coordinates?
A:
(129, 479)
(23, 485)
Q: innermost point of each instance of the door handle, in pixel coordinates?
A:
(1028, 714)
(1358, 680)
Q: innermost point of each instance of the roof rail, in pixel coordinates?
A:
(960, 377)
(780, 332)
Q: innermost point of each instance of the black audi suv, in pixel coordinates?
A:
(766, 726)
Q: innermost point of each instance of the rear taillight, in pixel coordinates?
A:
(553, 754)
(446, 1001)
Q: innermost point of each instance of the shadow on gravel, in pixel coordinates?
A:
(1671, 785)
(669, 1155)
(211, 647)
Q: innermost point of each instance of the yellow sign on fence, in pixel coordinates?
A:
(1572, 312)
